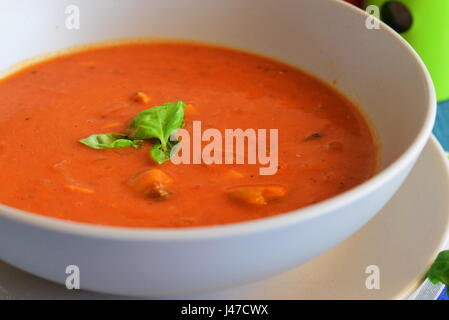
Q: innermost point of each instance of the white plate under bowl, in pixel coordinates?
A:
(402, 241)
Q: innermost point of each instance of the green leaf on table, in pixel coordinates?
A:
(439, 271)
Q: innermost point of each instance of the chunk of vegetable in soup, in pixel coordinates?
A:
(325, 146)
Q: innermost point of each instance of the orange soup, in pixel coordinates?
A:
(324, 145)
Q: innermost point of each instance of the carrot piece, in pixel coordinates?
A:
(141, 97)
(190, 109)
(153, 183)
(257, 195)
(80, 189)
(247, 195)
(271, 193)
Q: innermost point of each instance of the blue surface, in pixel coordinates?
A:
(441, 131)
(443, 295)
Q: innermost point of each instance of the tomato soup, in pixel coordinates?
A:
(325, 145)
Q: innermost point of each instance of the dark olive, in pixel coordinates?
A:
(397, 16)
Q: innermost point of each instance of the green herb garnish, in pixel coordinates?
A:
(160, 155)
(110, 140)
(156, 123)
(439, 271)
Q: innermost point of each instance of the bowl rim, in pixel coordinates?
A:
(263, 224)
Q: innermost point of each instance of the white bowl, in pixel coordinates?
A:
(375, 68)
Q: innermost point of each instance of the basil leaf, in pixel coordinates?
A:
(110, 140)
(123, 143)
(439, 271)
(158, 123)
(159, 155)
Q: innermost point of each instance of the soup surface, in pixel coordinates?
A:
(324, 144)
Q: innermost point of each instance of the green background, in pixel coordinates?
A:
(429, 35)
